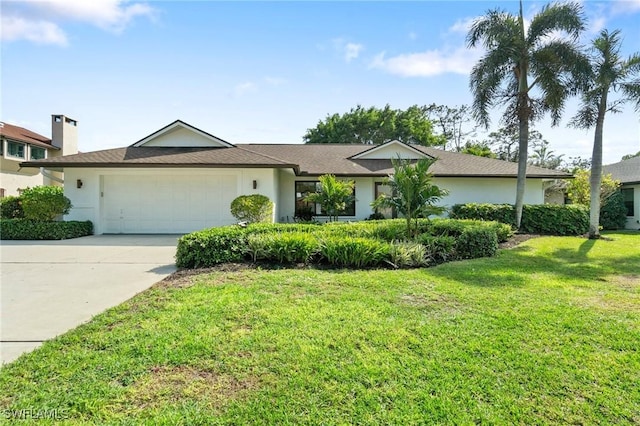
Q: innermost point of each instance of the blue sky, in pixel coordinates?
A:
(260, 72)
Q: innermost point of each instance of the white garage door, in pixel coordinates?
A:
(166, 204)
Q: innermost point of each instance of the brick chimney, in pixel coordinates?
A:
(64, 134)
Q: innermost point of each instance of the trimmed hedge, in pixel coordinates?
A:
(211, 247)
(343, 244)
(27, 229)
(536, 219)
(613, 213)
(11, 208)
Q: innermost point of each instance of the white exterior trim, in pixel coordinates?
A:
(181, 134)
(390, 150)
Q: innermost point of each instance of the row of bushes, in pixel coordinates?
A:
(360, 244)
(27, 229)
(536, 219)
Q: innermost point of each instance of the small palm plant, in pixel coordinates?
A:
(413, 194)
(333, 196)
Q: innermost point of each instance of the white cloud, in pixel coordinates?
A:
(461, 26)
(41, 21)
(244, 88)
(40, 32)
(350, 51)
(429, 63)
(623, 7)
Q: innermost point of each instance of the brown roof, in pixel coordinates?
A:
(335, 159)
(163, 157)
(20, 134)
(626, 171)
(305, 159)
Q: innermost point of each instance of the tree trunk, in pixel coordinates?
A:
(596, 170)
(521, 71)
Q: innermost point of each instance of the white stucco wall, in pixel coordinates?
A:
(461, 190)
(87, 201)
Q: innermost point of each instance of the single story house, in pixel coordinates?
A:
(628, 173)
(180, 179)
(19, 144)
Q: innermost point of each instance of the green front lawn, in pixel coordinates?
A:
(546, 333)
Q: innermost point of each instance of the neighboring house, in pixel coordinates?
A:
(180, 179)
(20, 144)
(628, 173)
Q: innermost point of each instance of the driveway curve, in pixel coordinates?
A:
(50, 287)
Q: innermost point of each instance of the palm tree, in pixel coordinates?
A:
(413, 194)
(515, 53)
(609, 71)
(333, 195)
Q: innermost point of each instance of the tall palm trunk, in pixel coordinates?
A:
(596, 170)
(521, 70)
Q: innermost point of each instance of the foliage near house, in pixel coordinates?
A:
(413, 194)
(28, 229)
(613, 214)
(252, 208)
(548, 219)
(376, 126)
(11, 208)
(333, 195)
(44, 203)
(361, 244)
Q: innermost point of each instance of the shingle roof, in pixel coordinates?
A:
(305, 159)
(17, 133)
(334, 159)
(626, 171)
(163, 157)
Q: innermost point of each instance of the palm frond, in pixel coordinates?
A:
(567, 17)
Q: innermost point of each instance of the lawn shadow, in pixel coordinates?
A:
(518, 266)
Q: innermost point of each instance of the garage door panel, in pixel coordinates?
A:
(166, 204)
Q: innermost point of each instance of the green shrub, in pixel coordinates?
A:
(476, 242)
(27, 229)
(438, 249)
(252, 208)
(403, 254)
(354, 252)
(11, 208)
(572, 219)
(44, 202)
(537, 219)
(211, 247)
(290, 247)
(613, 213)
(504, 213)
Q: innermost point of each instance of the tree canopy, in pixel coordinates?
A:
(373, 126)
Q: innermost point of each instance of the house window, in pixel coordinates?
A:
(15, 149)
(38, 153)
(304, 208)
(627, 194)
(381, 188)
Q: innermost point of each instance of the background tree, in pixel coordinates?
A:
(542, 156)
(609, 72)
(513, 55)
(333, 196)
(412, 192)
(375, 126)
(479, 149)
(455, 125)
(613, 213)
(630, 156)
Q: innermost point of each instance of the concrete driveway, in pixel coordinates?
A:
(50, 287)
